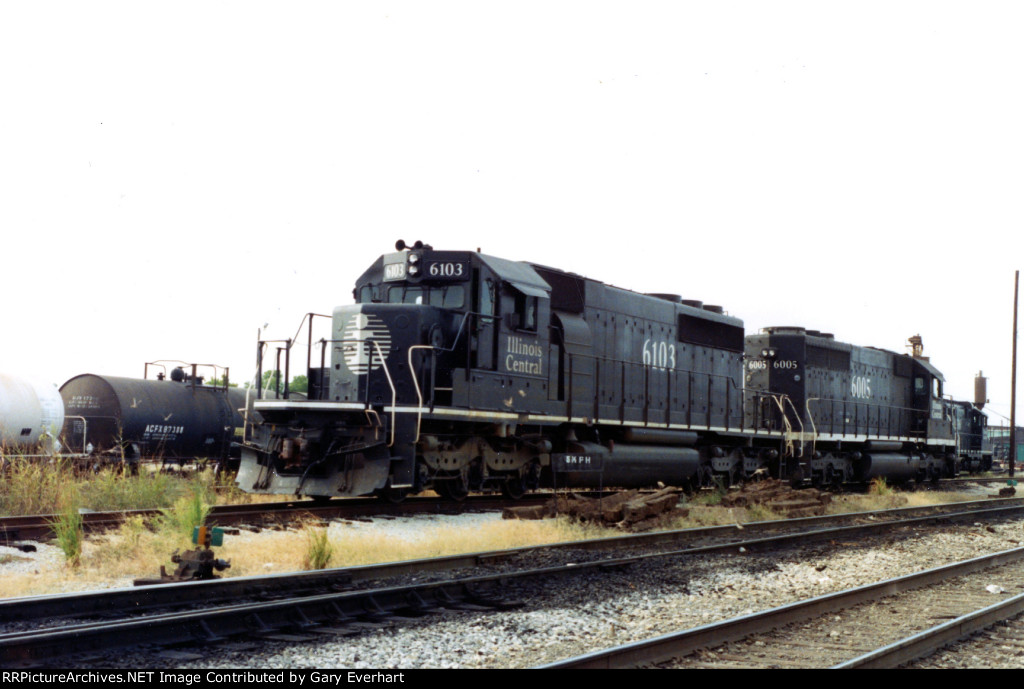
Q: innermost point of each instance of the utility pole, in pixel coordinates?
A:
(1013, 380)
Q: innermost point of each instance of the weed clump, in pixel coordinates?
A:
(67, 528)
(319, 549)
(879, 488)
(30, 487)
(187, 513)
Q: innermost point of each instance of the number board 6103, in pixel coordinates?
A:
(447, 270)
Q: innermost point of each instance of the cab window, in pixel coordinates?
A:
(365, 295)
(487, 297)
(526, 312)
(447, 297)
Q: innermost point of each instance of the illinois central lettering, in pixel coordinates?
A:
(523, 357)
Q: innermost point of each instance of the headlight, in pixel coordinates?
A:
(413, 270)
(414, 258)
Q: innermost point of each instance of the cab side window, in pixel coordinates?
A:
(526, 312)
(487, 297)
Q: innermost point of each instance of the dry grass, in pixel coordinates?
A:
(705, 511)
(894, 498)
(137, 550)
(33, 487)
(351, 545)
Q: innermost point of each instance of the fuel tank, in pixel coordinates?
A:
(890, 465)
(633, 466)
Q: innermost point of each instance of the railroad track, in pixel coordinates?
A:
(731, 538)
(996, 481)
(332, 602)
(999, 646)
(881, 625)
(39, 527)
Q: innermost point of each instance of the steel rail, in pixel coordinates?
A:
(668, 646)
(930, 640)
(39, 527)
(326, 610)
(306, 611)
(69, 605)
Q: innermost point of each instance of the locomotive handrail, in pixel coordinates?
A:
(814, 427)
(261, 346)
(309, 343)
(289, 343)
(644, 408)
(902, 412)
(780, 400)
(433, 370)
(416, 385)
(387, 374)
(391, 384)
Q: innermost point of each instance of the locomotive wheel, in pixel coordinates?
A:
(706, 477)
(837, 480)
(737, 477)
(454, 489)
(513, 488)
(834, 477)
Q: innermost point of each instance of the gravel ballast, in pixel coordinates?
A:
(564, 617)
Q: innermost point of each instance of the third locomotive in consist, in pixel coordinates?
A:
(459, 371)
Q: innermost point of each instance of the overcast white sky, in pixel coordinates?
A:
(175, 175)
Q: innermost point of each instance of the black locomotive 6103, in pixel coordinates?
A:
(460, 371)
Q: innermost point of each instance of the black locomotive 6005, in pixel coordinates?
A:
(460, 371)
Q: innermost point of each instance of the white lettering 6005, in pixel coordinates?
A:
(860, 387)
(659, 354)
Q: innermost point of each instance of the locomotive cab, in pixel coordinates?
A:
(489, 322)
(431, 333)
(935, 414)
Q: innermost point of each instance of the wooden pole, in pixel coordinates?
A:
(1013, 379)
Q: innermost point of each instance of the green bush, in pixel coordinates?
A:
(184, 515)
(67, 527)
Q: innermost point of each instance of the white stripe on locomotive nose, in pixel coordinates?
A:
(362, 330)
